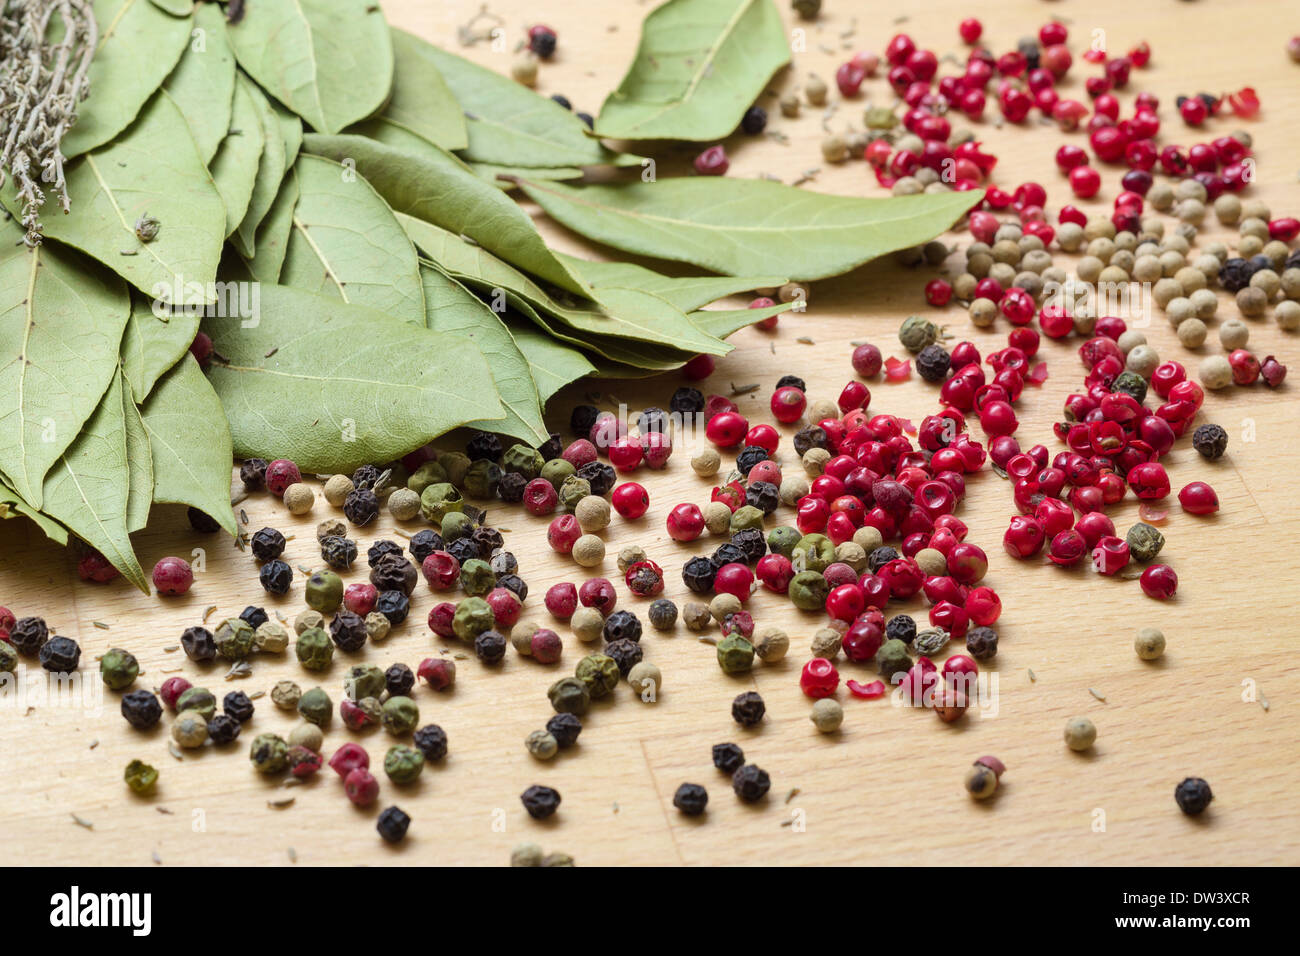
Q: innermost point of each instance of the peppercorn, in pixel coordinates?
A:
(8, 656)
(540, 802)
(751, 783)
(238, 706)
(483, 446)
(254, 616)
(190, 729)
(750, 456)
(808, 590)
(565, 728)
(314, 648)
(1211, 441)
(393, 605)
(747, 516)
(118, 668)
(599, 673)
(401, 714)
(982, 643)
(626, 654)
(569, 695)
(1149, 644)
(827, 643)
(687, 401)
(1144, 542)
(323, 591)
(735, 654)
(366, 680)
(424, 543)
(981, 781)
(1132, 383)
(392, 823)
(662, 614)
(338, 552)
(315, 707)
(268, 753)
(782, 540)
(879, 557)
(233, 639)
(901, 627)
(488, 540)
(482, 479)
(29, 635)
(198, 699)
(933, 362)
(815, 552)
(223, 729)
(599, 476)
(771, 644)
(1193, 795)
(892, 658)
(748, 709)
(361, 506)
(463, 550)
(1080, 732)
(141, 709)
(403, 764)
(622, 625)
(698, 575)
(827, 715)
(140, 777)
(541, 745)
(696, 616)
(267, 544)
(361, 713)
(490, 646)
(431, 740)
(253, 473)
(306, 736)
(917, 332)
(806, 439)
(587, 624)
(691, 799)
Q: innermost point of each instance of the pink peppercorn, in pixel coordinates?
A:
(1149, 481)
(546, 646)
(630, 500)
(171, 690)
(775, 572)
(1272, 372)
(348, 758)
(846, 602)
(505, 605)
(1284, 230)
(712, 162)
(1198, 498)
(869, 691)
(441, 569)
(726, 430)
(767, 437)
(598, 593)
(624, 454)
(938, 292)
(93, 566)
(867, 360)
(656, 449)
(280, 474)
(1110, 555)
(172, 576)
(685, 522)
(1245, 367)
(735, 579)
(970, 30)
(1067, 548)
(361, 787)
(438, 672)
(580, 452)
(7, 622)
(984, 606)
(1193, 111)
(1085, 181)
(563, 532)
(849, 77)
(540, 497)
(1159, 581)
(440, 619)
(360, 598)
(819, 678)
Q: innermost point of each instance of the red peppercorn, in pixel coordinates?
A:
(845, 602)
(735, 579)
(1110, 555)
(349, 757)
(280, 474)
(1159, 581)
(1109, 143)
(171, 689)
(712, 162)
(1068, 157)
(970, 30)
(774, 572)
(624, 454)
(541, 40)
(726, 430)
(1272, 372)
(1085, 181)
(562, 534)
(1284, 230)
(698, 368)
(1067, 548)
(984, 606)
(685, 522)
(360, 598)
(172, 576)
(441, 570)
(854, 395)
(92, 566)
(1198, 498)
(766, 437)
(867, 360)
(1193, 111)
(361, 787)
(788, 404)
(540, 497)
(1068, 113)
(598, 593)
(505, 605)
(580, 452)
(1015, 103)
(630, 500)
(438, 672)
(938, 292)
(819, 678)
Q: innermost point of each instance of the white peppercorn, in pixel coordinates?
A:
(1129, 340)
(827, 715)
(1070, 236)
(983, 313)
(1080, 733)
(1215, 372)
(1161, 196)
(1249, 246)
(592, 513)
(1192, 333)
(707, 463)
(1228, 209)
(1268, 282)
(403, 504)
(1252, 301)
(1143, 359)
(717, 518)
(1234, 334)
(1288, 315)
(1204, 303)
(588, 551)
(337, 489)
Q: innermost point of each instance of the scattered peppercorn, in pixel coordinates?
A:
(1193, 795)
(748, 709)
(751, 783)
(141, 709)
(392, 825)
(60, 655)
(691, 799)
(267, 544)
(1080, 732)
(276, 577)
(223, 729)
(540, 802)
(565, 728)
(1210, 440)
(238, 706)
(431, 740)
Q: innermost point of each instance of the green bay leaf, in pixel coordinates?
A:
(138, 46)
(139, 461)
(747, 226)
(153, 169)
(190, 443)
(273, 235)
(290, 134)
(154, 342)
(203, 83)
(723, 322)
(177, 8)
(330, 61)
(492, 173)
(686, 293)
(434, 186)
(553, 365)
(699, 66)
(61, 321)
(421, 100)
(12, 505)
(450, 307)
(235, 168)
(88, 488)
(270, 172)
(334, 386)
(346, 243)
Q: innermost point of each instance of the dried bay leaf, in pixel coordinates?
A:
(723, 322)
(421, 100)
(450, 307)
(88, 488)
(553, 365)
(346, 243)
(510, 125)
(61, 322)
(234, 168)
(12, 505)
(153, 169)
(203, 82)
(270, 172)
(434, 186)
(330, 61)
(273, 235)
(494, 173)
(290, 133)
(699, 66)
(190, 442)
(139, 461)
(686, 293)
(334, 386)
(743, 226)
(138, 46)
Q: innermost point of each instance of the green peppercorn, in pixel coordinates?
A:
(140, 777)
(808, 590)
(523, 460)
(269, 753)
(917, 332)
(363, 680)
(315, 707)
(403, 764)
(118, 668)
(429, 473)
(814, 552)
(455, 524)
(746, 516)
(526, 854)
(8, 658)
(568, 695)
(735, 654)
(400, 715)
(190, 729)
(1144, 542)
(477, 577)
(286, 694)
(782, 540)
(482, 479)
(234, 638)
(557, 471)
(599, 673)
(542, 745)
(438, 500)
(572, 490)
(892, 658)
(323, 591)
(315, 649)
(473, 616)
(198, 699)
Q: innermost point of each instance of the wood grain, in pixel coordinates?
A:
(888, 787)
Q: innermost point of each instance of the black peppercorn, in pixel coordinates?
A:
(513, 582)
(223, 729)
(511, 487)
(348, 631)
(750, 456)
(788, 381)
(431, 740)
(540, 802)
(398, 680)
(691, 799)
(900, 627)
(1211, 441)
(338, 553)
(490, 646)
(253, 616)
(60, 655)
(365, 477)
(748, 708)
(1293, 260)
(394, 573)
(879, 557)
(238, 705)
(814, 436)
(582, 418)
(622, 626)
(727, 553)
(754, 121)
(662, 614)
(380, 550)
(1259, 263)
(424, 543)
(276, 576)
(932, 362)
(361, 506)
(1193, 795)
(751, 543)
(198, 644)
(267, 544)
(28, 635)
(728, 757)
(484, 446)
(762, 495)
(565, 728)
(141, 709)
(488, 540)
(652, 420)
(698, 575)
(751, 783)
(552, 448)
(392, 825)
(687, 401)
(1234, 274)
(462, 549)
(253, 473)
(982, 643)
(202, 522)
(599, 476)
(627, 654)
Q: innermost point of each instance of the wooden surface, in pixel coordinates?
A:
(888, 787)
